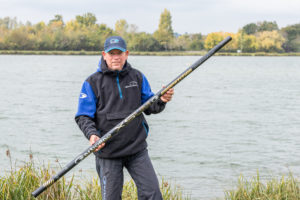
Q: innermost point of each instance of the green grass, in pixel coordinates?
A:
(286, 188)
(19, 184)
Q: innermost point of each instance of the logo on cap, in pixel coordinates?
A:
(113, 41)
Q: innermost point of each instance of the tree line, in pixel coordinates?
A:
(84, 33)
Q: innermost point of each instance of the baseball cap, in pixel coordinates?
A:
(114, 42)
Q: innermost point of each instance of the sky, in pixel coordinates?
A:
(188, 16)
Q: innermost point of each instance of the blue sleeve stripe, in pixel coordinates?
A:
(146, 90)
(87, 101)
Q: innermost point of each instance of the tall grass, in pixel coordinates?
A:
(18, 184)
(286, 188)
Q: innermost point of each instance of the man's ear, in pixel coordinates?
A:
(126, 54)
(103, 54)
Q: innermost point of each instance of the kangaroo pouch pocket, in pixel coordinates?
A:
(129, 137)
(113, 119)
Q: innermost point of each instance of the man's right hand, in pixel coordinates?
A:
(95, 138)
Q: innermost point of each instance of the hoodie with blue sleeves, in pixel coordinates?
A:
(107, 97)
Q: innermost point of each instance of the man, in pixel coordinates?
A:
(107, 97)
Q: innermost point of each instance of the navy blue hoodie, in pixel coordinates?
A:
(106, 98)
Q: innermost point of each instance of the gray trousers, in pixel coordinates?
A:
(140, 169)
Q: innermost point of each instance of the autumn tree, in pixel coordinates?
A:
(212, 40)
(270, 41)
(164, 34)
(21, 39)
(83, 33)
(57, 18)
(181, 43)
(121, 27)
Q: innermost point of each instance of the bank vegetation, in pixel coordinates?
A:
(83, 35)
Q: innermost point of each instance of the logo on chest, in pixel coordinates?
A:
(131, 84)
(82, 95)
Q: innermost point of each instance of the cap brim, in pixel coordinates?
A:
(112, 48)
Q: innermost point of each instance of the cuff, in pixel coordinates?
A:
(92, 133)
(160, 102)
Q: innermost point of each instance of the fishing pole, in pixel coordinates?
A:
(128, 119)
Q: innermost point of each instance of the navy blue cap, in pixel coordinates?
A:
(114, 42)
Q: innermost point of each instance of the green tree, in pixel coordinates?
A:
(292, 36)
(250, 28)
(143, 42)
(40, 26)
(197, 42)
(164, 34)
(246, 43)
(87, 19)
(187, 42)
(103, 32)
(267, 26)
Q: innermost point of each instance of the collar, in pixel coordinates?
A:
(103, 68)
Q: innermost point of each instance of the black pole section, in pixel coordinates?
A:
(128, 119)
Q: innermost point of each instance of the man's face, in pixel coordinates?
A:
(115, 59)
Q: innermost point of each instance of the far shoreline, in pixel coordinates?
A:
(142, 53)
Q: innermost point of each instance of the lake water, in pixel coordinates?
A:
(232, 116)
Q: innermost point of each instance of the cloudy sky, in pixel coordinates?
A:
(188, 16)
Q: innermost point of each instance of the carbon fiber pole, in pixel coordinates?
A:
(128, 119)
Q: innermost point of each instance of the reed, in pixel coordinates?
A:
(285, 188)
(144, 53)
(18, 184)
